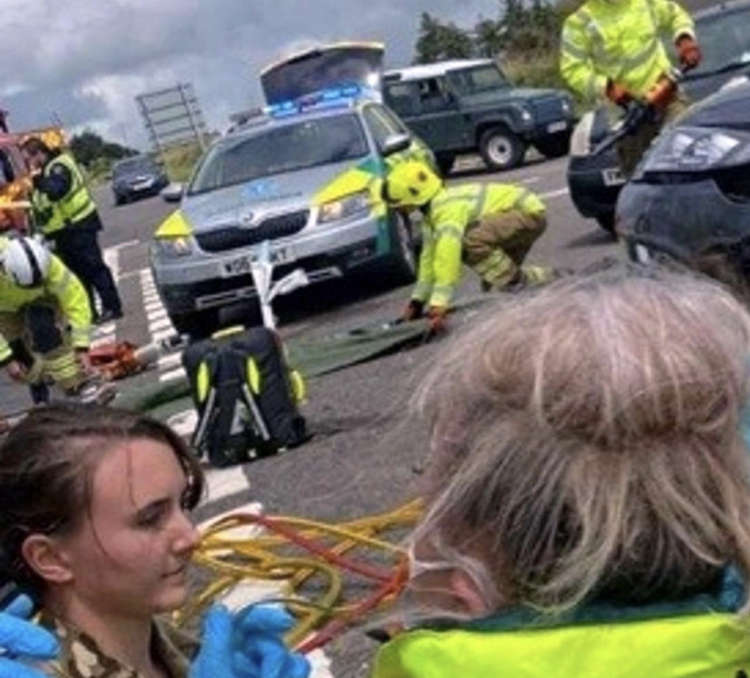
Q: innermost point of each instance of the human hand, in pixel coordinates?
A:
(413, 310)
(437, 316)
(16, 371)
(618, 94)
(21, 639)
(689, 52)
(247, 645)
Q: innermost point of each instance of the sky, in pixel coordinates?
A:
(84, 61)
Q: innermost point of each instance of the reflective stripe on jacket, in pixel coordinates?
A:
(715, 645)
(59, 284)
(74, 206)
(619, 40)
(451, 211)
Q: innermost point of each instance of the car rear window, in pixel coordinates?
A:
(281, 149)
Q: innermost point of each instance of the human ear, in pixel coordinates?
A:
(45, 556)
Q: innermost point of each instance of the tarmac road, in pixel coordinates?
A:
(367, 450)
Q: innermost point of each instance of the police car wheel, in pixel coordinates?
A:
(501, 149)
(607, 222)
(403, 260)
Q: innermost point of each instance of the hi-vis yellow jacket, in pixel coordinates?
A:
(708, 645)
(75, 205)
(60, 287)
(451, 212)
(620, 40)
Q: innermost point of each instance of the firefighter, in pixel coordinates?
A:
(612, 49)
(67, 216)
(45, 322)
(489, 226)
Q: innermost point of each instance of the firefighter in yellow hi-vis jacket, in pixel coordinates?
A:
(489, 226)
(45, 322)
(614, 49)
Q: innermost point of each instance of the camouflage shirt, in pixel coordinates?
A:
(81, 657)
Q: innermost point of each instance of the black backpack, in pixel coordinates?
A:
(245, 395)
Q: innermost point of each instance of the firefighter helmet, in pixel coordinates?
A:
(25, 261)
(411, 184)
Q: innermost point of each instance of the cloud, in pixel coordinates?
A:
(85, 62)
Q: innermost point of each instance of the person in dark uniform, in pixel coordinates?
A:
(67, 216)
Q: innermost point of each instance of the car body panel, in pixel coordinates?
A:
(703, 162)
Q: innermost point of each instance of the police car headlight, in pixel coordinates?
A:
(694, 148)
(351, 205)
(526, 115)
(567, 106)
(171, 248)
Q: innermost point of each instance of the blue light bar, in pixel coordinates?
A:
(334, 97)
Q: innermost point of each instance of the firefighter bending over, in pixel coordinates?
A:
(489, 226)
(45, 322)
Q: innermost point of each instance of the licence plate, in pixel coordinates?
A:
(613, 176)
(142, 185)
(242, 265)
(558, 126)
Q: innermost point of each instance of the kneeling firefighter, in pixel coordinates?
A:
(489, 226)
(45, 323)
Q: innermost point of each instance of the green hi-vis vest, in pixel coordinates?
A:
(712, 645)
(74, 206)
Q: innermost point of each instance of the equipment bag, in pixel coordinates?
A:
(245, 395)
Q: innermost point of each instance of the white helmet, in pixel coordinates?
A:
(25, 261)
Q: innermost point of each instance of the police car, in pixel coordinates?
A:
(304, 175)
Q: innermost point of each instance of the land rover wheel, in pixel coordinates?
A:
(501, 149)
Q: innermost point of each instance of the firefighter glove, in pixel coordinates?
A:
(662, 93)
(689, 52)
(617, 93)
(413, 310)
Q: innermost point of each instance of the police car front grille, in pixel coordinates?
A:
(548, 110)
(234, 237)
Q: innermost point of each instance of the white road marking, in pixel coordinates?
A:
(554, 194)
(172, 374)
(160, 324)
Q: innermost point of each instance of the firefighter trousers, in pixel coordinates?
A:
(631, 148)
(495, 246)
(40, 345)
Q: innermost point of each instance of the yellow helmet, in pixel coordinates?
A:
(411, 184)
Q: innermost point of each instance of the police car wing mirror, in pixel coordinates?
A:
(395, 143)
(173, 192)
(290, 282)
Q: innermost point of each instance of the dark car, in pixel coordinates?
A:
(595, 181)
(463, 106)
(691, 191)
(137, 177)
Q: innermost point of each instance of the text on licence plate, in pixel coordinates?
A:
(558, 126)
(613, 176)
(241, 265)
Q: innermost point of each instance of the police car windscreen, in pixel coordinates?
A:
(291, 147)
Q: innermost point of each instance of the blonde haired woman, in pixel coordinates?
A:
(596, 518)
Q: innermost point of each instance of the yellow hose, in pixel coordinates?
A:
(230, 561)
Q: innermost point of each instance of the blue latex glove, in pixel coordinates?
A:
(247, 645)
(24, 640)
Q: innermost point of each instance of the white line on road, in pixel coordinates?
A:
(172, 374)
(161, 324)
(554, 194)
